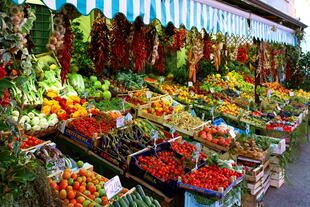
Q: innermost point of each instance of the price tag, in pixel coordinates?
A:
(212, 113)
(64, 91)
(228, 78)
(211, 90)
(177, 90)
(192, 93)
(161, 79)
(230, 99)
(148, 94)
(278, 107)
(172, 131)
(247, 128)
(174, 105)
(84, 94)
(130, 95)
(197, 153)
(55, 164)
(248, 108)
(113, 187)
(292, 93)
(123, 104)
(62, 126)
(238, 92)
(232, 133)
(190, 84)
(128, 117)
(120, 122)
(154, 136)
(193, 113)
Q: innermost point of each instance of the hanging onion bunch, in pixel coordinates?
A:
(55, 42)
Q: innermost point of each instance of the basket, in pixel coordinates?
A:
(42, 132)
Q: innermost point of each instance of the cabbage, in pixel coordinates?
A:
(93, 78)
(77, 81)
(35, 121)
(107, 82)
(105, 87)
(97, 84)
(107, 95)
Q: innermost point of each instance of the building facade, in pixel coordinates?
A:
(286, 6)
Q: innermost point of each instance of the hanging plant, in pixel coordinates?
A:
(139, 45)
(120, 45)
(99, 50)
(178, 39)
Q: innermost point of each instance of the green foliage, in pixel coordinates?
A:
(80, 59)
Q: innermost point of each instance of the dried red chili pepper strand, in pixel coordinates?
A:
(207, 49)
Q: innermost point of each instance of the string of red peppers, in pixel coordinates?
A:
(5, 97)
(139, 45)
(160, 63)
(179, 39)
(207, 49)
(64, 53)
(99, 49)
(119, 41)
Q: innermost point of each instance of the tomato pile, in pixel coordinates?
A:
(28, 142)
(89, 126)
(86, 182)
(216, 135)
(158, 167)
(134, 101)
(211, 177)
(187, 150)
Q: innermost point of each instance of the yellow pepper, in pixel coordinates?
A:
(55, 108)
(52, 94)
(46, 102)
(46, 110)
(75, 98)
(61, 112)
(70, 101)
(75, 114)
(77, 106)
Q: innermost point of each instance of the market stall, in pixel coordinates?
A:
(164, 93)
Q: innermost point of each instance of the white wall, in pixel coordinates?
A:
(286, 6)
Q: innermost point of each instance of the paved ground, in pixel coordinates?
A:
(297, 193)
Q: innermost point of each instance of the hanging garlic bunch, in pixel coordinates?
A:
(17, 16)
(55, 42)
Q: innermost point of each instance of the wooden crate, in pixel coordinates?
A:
(212, 145)
(276, 183)
(278, 149)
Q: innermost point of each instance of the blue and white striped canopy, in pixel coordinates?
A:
(190, 13)
(267, 33)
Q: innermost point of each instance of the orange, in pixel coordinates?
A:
(71, 194)
(66, 175)
(80, 199)
(82, 171)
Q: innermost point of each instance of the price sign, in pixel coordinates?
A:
(221, 101)
(211, 90)
(89, 106)
(193, 113)
(120, 122)
(84, 94)
(62, 126)
(174, 105)
(190, 84)
(177, 90)
(292, 93)
(154, 136)
(228, 78)
(113, 187)
(55, 164)
(128, 117)
(123, 104)
(197, 153)
(192, 93)
(278, 107)
(247, 128)
(161, 79)
(172, 131)
(238, 92)
(212, 113)
(148, 94)
(64, 91)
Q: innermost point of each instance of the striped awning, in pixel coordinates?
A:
(190, 13)
(272, 33)
(211, 15)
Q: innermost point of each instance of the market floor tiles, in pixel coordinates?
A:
(296, 193)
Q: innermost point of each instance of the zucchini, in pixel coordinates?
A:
(122, 203)
(126, 200)
(140, 203)
(129, 198)
(116, 204)
(133, 196)
(140, 190)
(153, 205)
(147, 200)
(152, 199)
(156, 203)
(138, 196)
(133, 204)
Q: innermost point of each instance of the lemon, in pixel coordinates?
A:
(218, 75)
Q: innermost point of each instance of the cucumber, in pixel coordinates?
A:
(153, 205)
(126, 200)
(133, 196)
(156, 203)
(147, 200)
(140, 190)
(138, 196)
(140, 203)
(152, 199)
(129, 198)
(122, 203)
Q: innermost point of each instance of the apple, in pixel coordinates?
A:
(80, 164)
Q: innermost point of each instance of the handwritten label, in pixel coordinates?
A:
(211, 90)
(193, 113)
(128, 117)
(192, 93)
(161, 79)
(292, 94)
(269, 93)
(232, 133)
(148, 94)
(197, 153)
(62, 126)
(174, 105)
(154, 136)
(203, 116)
(113, 187)
(120, 122)
(190, 84)
(89, 106)
(172, 131)
(64, 91)
(84, 94)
